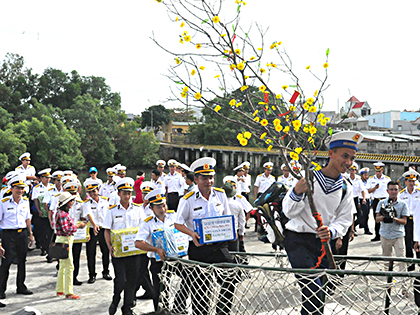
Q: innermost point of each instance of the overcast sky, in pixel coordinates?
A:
(374, 45)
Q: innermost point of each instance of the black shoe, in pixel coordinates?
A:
(92, 279)
(43, 252)
(146, 296)
(77, 282)
(368, 232)
(49, 260)
(106, 276)
(375, 239)
(2, 305)
(24, 292)
(130, 312)
(112, 309)
(2, 296)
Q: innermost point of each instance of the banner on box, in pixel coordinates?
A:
(215, 229)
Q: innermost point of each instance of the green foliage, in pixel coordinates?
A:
(11, 147)
(159, 113)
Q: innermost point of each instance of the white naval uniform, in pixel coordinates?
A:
(107, 189)
(117, 217)
(244, 203)
(194, 206)
(29, 171)
(40, 191)
(263, 182)
(239, 183)
(336, 213)
(97, 210)
(381, 192)
(174, 182)
(367, 195)
(289, 181)
(246, 186)
(237, 210)
(159, 184)
(145, 212)
(358, 186)
(413, 203)
(49, 195)
(114, 198)
(14, 215)
(4, 190)
(153, 224)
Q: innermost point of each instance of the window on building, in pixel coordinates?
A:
(374, 120)
(399, 127)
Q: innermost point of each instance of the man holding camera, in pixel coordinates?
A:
(392, 215)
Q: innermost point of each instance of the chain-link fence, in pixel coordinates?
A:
(265, 284)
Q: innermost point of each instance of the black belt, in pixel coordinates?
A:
(172, 193)
(14, 230)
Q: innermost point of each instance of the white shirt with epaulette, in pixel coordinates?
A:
(158, 183)
(194, 206)
(244, 203)
(114, 198)
(3, 191)
(14, 215)
(358, 186)
(173, 182)
(97, 210)
(413, 202)
(239, 182)
(29, 171)
(246, 186)
(263, 182)
(40, 190)
(107, 189)
(153, 224)
(49, 195)
(76, 211)
(145, 211)
(289, 181)
(238, 212)
(118, 217)
(381, 192)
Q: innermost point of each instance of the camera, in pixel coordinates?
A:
(388, 212)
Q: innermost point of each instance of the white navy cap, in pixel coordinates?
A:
(67, 172)
(126, 183)
(411, 175)
(68, 178)
(185, 167)
(161, 163)
(204, 166)
(110, 171)
(246, 165)
(345, 139)
(11, 174)
(91, 184)
(379, 166)
(57, 175)
(147, 187)
(25, 156)
(229, 179)
(17, 181)
(45, 172)
(120, 169)
(295, 165)
(172, 162)
(156, 196)
(364, 170)
(268, 165)
(283, 166)
(239, 167)
(354, 166)
(71, 186)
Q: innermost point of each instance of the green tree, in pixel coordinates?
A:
(158, 113)
(11, 147)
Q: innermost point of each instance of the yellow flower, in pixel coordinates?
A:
(262, 103)
(323, 122)
(325, 65)
(185, 33)
(307, 68)
(306, 128)
(198, 46)
(259, 48)
(223, 35)
(317, 167)
(187, 38)
(294, 156)
(202, 68)
(244, 88)
(284, 87)
(263, 135)
(217, 76)
(243, 142)
(262, 88)
(177, 18)
(252, 58)
(276, 122)
(184, 94)
(237, 51)
(192, 71)
(278, 96)
(292, 108)
(247, 134)
(240, 66)
(310, 101)
(273, 107)
(311, 141)
(182, 24)
(279, 127)
(273, 65)
(312, 109)
(246, 77)
(262, 70)
(296, 124)
(185, 89)
(255, 113)
(312, 130)
(197, 96)
(298, 150)
(178, 61)
(232, 102)
(226, 51)
(239, 136)
(306, 106)
(257, 119)
(269, 148)
(238, 104)
(274, 45)
(217, 108)
(264, 122)
(316, 93)
(320, 117)
(232, 66)
(216, 19)
(279, 43)
(181, 41)
(286, 129)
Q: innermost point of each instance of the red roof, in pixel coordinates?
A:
(353, 99)
(358, 105)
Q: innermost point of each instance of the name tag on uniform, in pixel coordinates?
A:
(199, 208)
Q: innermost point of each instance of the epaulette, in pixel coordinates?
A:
(170, 211)
(57, 195)
(403, 190)
(103, 197)
(272, 176)
(371, 176)
(20, 166)
(51, 188)
(31, 166)
(37, 185)
(79, 200)
(219, 189)
(5, 199)
(113, 206)
(4, 188)
(259, 175)
(137, 204)
(239, 196)
(26, 198)
(188, 195)
(387, 176)
(149, 218)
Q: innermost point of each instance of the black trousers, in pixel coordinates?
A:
(173, 201)
(364, 214)
(15, 243)
(156, 268)
(125, 269)
(409, 241)
(246, 195)
(76, 250)
(143, 276)
(377, 225)
(343, 250)
(37, 227)
(358, 212)
(91, 252)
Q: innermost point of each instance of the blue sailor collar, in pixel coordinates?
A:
(328, 184)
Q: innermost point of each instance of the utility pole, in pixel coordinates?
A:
(151, 119)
